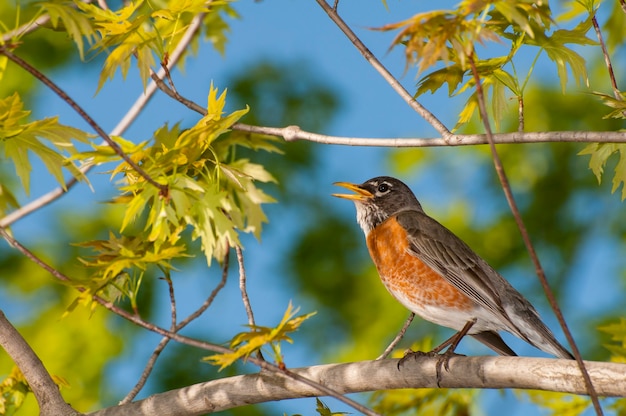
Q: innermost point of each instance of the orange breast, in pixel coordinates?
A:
(405, 276)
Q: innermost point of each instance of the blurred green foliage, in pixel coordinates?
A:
(327, 263)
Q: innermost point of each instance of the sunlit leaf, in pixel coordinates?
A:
(600, 153)
(19, 139)
(246, 343)
(77, 25)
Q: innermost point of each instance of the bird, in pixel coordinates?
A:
(437, 276)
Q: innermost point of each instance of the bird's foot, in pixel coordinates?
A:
(408, 354)
(444, 361)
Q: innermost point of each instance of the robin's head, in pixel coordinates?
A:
(379, 198)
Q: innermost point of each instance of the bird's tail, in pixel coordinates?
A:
(537, 334)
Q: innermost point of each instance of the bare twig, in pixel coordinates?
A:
(398, 337)
(293, 133)
(242, 287)
(211, 297)
(520, 114)
(380, 68)
(39, 380)
(26, 28)
(165, 340)
(506, 187)
(607, 58)
(170, 286)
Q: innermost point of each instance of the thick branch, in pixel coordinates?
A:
(46, 392)
(465, 372)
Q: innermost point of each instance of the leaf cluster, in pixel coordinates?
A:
(139, 30)
(447, 40)
(14, 389)
(49, 140)
(246, 343)
(617, 331)
(210, 192)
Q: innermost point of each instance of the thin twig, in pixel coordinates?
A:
(380, 68)
(26, 28)
(520, 114)
(293, 133)
(165, 340)
(146, 371)
(137, 320)
(506, 187)
(74, 105)
(170, 286)
(397, 339)
(242, 287)
(607, 58)
(209, 301)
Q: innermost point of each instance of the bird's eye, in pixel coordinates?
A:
(383, 188)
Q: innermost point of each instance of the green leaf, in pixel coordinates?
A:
(451, 75)
(324, 410)
(246, 343)
(13, 390)
(618, 104)
(118, 264)
(564, 57)
(7, 199)
(600, 153)
(65, 16)
(20, 138)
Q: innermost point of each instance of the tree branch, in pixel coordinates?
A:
(242, 287)
(46, 392)
(380, 68)
(397, 338)
(293, 133)
(465, 372)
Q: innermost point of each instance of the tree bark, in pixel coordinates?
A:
(465, 372)
(46, 392)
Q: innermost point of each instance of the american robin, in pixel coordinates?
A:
(434, 274)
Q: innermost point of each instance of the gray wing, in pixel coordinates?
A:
(455, 261)
(447, 254)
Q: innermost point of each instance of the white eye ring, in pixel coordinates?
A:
(383, 188)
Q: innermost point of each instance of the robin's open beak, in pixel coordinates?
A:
(359, 195)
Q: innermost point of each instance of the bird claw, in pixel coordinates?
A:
(408, 354)
(443, 360)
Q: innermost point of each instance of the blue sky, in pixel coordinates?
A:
(283, 31)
